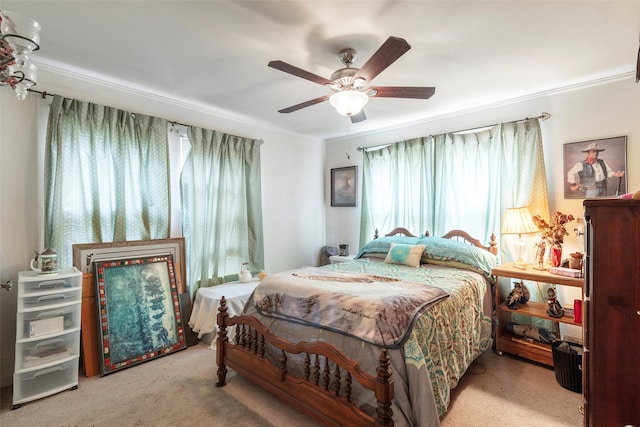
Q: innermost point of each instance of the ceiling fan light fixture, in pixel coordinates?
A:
(348, 102)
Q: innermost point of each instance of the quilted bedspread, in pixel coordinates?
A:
(448, 336)
(445, 339)
(374, 308)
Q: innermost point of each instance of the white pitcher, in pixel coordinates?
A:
(245, 274)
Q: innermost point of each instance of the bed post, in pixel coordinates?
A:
(493, 245)
(221, 342)
(384, 411)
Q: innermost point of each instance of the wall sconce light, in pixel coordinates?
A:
(19, 36)
(518, 221)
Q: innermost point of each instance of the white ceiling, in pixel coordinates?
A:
(214, 54)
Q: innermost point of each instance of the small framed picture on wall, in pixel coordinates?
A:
(344, 186)
(595, 168)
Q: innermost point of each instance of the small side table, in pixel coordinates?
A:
(336, 259)
(205, 307)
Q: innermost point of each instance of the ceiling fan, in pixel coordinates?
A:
(351, 85)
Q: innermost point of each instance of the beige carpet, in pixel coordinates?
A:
(179, 389)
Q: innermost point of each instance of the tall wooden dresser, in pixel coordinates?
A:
(611, 361)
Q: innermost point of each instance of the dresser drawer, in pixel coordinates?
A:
(37, 323)
(53, 299)
(43, 382)
(37, 353)
(50, 284)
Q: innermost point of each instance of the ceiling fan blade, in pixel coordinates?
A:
(304, 104)
(357, 118)
(299, 72)
(387, 54)
(401, 92)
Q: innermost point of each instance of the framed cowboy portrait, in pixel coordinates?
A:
(344, 186)
(595, 168)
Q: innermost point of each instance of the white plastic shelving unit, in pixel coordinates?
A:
(47, 334)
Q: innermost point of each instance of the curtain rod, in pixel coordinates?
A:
(543, 116)
(174, 123)
(45, 94)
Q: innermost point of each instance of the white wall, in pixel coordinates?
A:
(18, 211)
(606, 110)
(600, 111)
(292, 184)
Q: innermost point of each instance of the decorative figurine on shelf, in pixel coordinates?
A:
(575, 262)
(555, 309)
(519, 295)
(541, 247)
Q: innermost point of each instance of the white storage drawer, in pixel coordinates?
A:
(47, 334)
(36, 353)
(45, 381)
(51, 299)
(33, 324)
(38, 285)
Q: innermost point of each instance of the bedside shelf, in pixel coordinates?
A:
(506, 341)
(539, 309)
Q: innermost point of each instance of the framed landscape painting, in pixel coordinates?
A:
(139, 315)
(595, 168)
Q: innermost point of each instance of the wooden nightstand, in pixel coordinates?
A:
(515, 344)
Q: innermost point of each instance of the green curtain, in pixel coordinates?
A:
(397, 188)
(458, 181)
(479, 175)
(454, 180)
(221, 207)
(106, 176)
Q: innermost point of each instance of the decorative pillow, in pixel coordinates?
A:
(445, 251)
(382, 245)
(404, 254)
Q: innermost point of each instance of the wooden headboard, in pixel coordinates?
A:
(465, 237)
(399, 230)
(458, 235)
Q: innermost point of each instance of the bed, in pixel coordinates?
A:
(391, 358)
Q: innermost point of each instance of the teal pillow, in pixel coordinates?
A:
(404, 254)
(444, 251)
(382, 245)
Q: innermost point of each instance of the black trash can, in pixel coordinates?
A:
(567, 363)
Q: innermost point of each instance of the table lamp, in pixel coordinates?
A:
(518, 221)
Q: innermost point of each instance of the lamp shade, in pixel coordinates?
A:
(349, 102)
(518, 221)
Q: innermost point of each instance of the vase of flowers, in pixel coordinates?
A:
(553, 233)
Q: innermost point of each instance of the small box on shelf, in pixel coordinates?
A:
(567, 272)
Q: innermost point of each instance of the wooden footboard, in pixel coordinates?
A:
(323, 391)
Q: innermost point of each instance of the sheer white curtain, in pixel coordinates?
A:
(221, 207)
